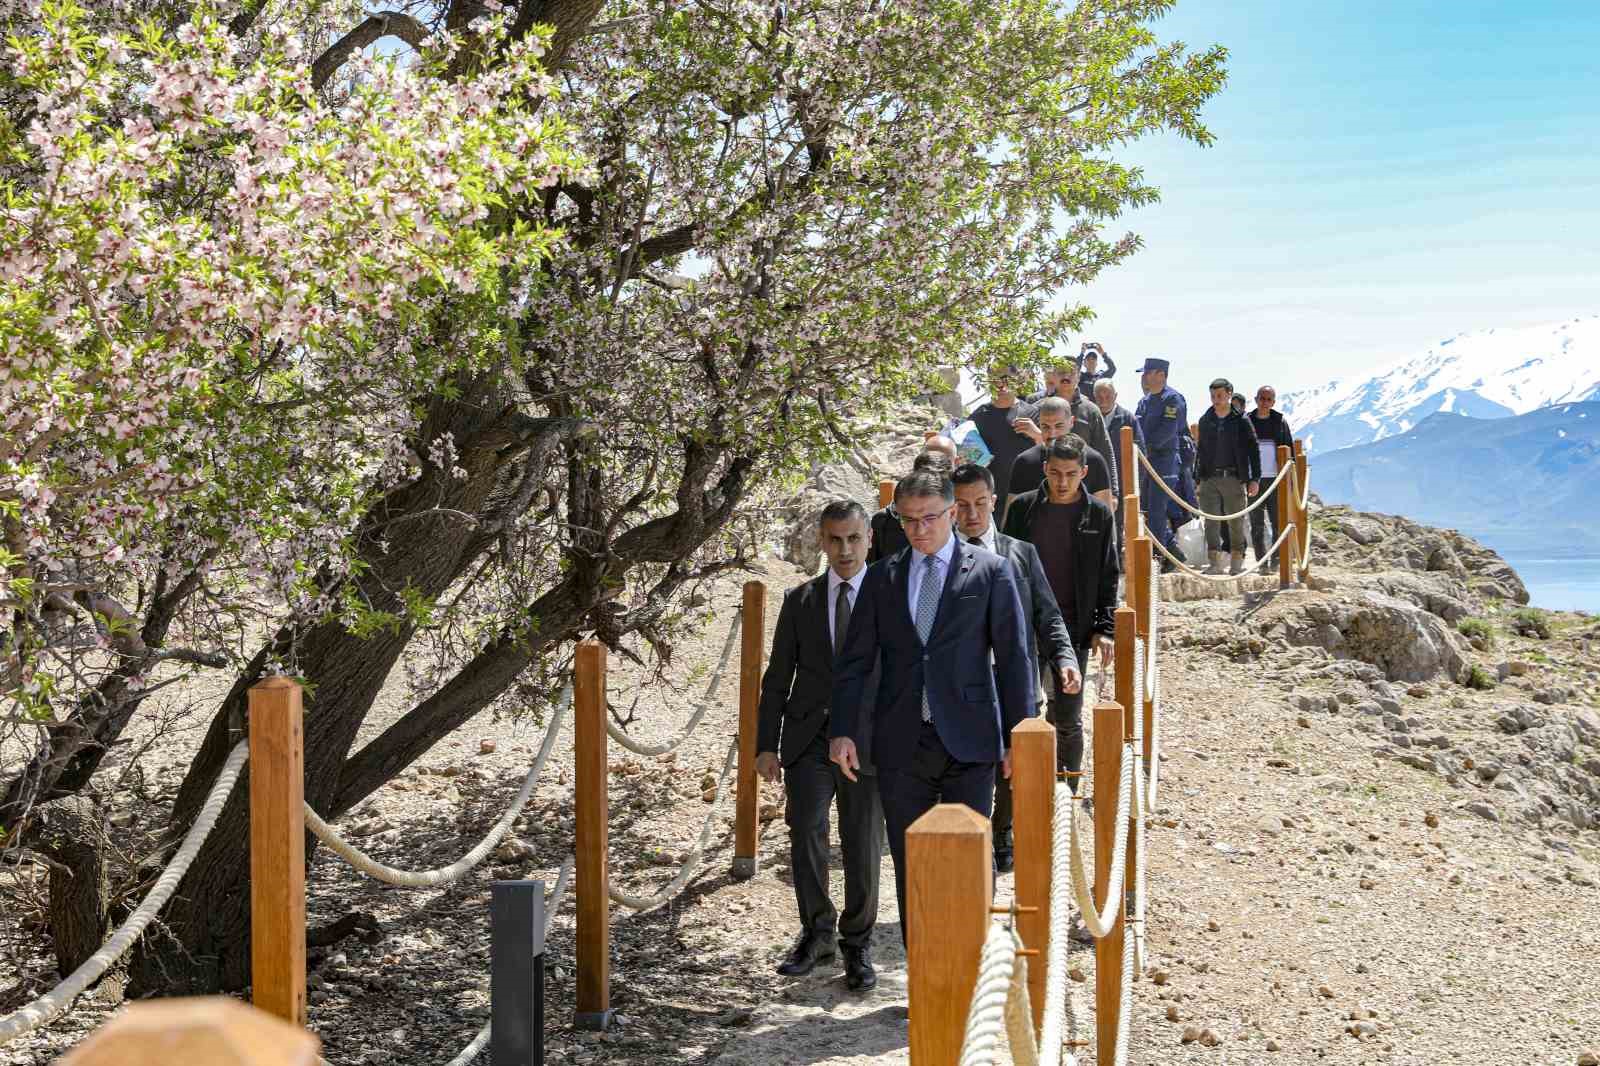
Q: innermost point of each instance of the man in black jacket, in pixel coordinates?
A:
(1271, 429)
(1075, 537)
(792, 736)
(1228, 465)
(888, 538)
(1058, 664)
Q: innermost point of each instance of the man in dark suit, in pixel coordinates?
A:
(1058, 663)
(792, 744)
(937, 455)
(1075, 536)
(943, 622)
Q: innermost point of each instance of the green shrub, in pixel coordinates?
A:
(1530, 622)
(1477, 629)
(1479, 678)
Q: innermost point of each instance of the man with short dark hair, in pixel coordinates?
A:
(1087, 421)
(937, 455)
(1056, 420)
(792, 744)
(1006, 424)
(944, 623)
(1228, 465)
(1057, 661)
(1075, 536)
(1271, 429)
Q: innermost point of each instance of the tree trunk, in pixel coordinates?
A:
(69, 832)
(422, 538)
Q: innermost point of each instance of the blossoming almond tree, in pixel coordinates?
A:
(500, 367)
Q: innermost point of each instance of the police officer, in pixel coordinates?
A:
(1163, 414)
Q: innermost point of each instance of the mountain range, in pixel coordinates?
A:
(1491, 373)
(1525, 484)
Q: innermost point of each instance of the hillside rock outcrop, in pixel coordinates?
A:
(1406, 642)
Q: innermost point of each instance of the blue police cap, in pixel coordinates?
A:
(1154, 364)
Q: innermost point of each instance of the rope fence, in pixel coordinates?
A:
(47, 1008)
(291, 816)
(1009, 1008)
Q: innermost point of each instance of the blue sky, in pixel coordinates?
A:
(1385, 175)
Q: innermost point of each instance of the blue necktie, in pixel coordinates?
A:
(927, 611)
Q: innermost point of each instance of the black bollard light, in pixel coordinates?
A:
(516, 973)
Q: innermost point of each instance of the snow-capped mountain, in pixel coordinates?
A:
(1522, 484)
(1486, 374)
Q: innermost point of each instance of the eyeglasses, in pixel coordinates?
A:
(927, 521)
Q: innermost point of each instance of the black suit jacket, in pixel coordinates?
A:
(888, 536)
(1094, 562)
(974, 705)
(798, 683)
(1039, 604)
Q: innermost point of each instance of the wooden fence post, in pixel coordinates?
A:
(1132, 524)
(1108, 725)
(278, 849)
(1138, 564)
(1302, 470)
(210, 1031)
(885, 492)
(593, 837)
(1285, 504)
(1146, 626)
(949, 889)
(747, 793)
(1033, 791)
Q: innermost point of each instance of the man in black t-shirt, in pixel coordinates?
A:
(1057, 421)
(1009, 427)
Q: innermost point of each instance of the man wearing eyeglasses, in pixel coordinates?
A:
(1272, 429)
(943, 621)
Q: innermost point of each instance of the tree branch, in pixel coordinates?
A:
(374, 27)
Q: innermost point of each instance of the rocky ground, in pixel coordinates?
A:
(1377, 842)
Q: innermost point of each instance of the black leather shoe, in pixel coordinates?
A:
(808, 950)
(1003, 862)
(859, 974)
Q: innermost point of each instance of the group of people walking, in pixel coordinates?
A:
(976, 599)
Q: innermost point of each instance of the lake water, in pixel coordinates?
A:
(1561, 584)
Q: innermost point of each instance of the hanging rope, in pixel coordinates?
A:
(1252, 568)
(47, 1008)
(618, 734)
(1261, 496)
(558, 896)
(444, 875)
(1100, 923)
(691, 864)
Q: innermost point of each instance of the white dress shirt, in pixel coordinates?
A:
(834, 581)
(919, 566)
(987, 540)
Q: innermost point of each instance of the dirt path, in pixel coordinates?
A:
(1312, 852)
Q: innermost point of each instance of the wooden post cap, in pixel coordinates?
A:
(950, 819)
(209, 1031)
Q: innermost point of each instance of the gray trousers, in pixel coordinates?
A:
(1224, 495)
(812, 784)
